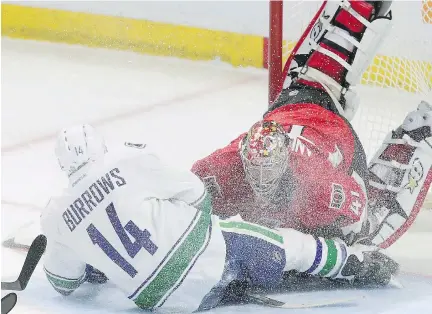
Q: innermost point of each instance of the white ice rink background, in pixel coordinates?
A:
(181, 109)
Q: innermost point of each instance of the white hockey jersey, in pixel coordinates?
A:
(148, 227)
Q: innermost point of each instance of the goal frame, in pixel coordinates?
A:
(275, 42)
(275, 46)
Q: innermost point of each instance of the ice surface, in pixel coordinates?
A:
(182, 109)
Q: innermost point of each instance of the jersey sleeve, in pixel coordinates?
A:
(173, 183)
(64, 270)
(223, 175)
(165, 181)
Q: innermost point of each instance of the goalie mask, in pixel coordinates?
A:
(264, 154)
(77, 147)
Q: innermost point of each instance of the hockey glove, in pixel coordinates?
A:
(95, 276)
(366, 266)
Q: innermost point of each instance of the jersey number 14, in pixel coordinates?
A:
(142, 240)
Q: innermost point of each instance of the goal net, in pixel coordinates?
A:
(398, 78)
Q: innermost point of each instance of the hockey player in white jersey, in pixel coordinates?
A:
(150, 229)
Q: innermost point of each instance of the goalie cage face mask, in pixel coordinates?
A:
(264, 154)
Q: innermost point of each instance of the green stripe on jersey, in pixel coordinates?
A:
(176, 267)
(63, 283)
(204, 203)
(253, 228)
(332, 255)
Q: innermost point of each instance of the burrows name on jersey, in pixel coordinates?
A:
(91, 197)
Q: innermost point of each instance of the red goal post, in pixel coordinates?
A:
(276, 44)
(275, 47)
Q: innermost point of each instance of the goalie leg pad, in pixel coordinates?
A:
(336, 51)
(367, 48)
(400, 175)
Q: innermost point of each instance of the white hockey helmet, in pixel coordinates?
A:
(77, 147)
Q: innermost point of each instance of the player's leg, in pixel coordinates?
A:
(330, 58)
(400, 176)
(261, 255)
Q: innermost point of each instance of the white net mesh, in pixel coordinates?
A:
(399, 76)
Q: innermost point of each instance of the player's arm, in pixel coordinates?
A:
(181, 185)
(223, 175)
(64, 270)
(165, 181)
(173, 183)
(205, 170)
(184, 186)
(220, 167)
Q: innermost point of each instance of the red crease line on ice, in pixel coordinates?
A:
(138, 111)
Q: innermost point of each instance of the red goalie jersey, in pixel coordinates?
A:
(322, 188)
(320, 179)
